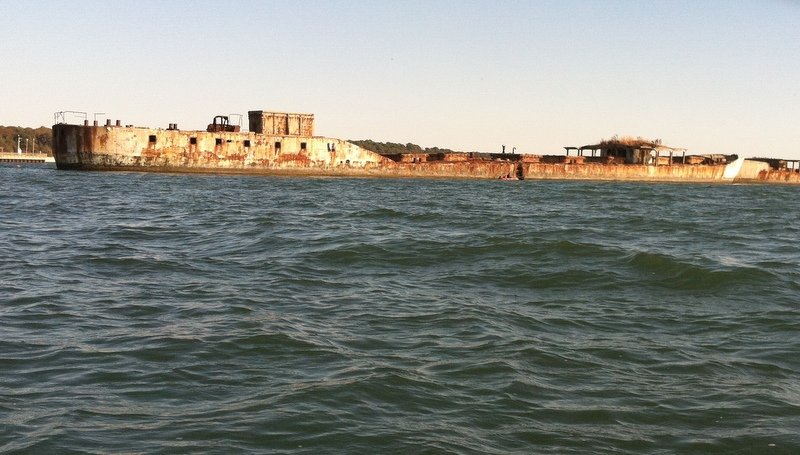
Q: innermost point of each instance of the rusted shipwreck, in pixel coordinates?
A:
(281, 143)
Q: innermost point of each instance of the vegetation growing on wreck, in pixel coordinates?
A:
(393, 148)
(42, 137)
(629, 142)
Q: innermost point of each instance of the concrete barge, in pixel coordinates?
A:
(280, 143)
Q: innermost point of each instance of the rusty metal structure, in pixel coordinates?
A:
(280, 143)
(219, 125)
(619, 153)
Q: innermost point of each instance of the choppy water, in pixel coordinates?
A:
(145, 313)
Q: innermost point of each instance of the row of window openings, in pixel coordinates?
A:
(193, 141)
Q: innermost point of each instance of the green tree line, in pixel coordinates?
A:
(393, 148)
(39, 139)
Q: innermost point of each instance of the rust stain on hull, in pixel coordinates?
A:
(294, 152)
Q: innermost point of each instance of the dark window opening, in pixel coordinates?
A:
(153, 138)
(247, 143)
(302, 146)
(219, 141)
(277, 146)
(193, 140)
(228, 141)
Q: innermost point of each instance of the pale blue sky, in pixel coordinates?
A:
(712, 76)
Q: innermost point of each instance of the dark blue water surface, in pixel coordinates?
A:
(149, 313)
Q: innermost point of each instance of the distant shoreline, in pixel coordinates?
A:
(26, 158)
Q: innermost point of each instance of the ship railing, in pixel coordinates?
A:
(61, 116)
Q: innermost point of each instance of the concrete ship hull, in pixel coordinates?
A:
(110, 148)
(118, 148)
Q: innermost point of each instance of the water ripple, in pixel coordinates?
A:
(147, 313)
